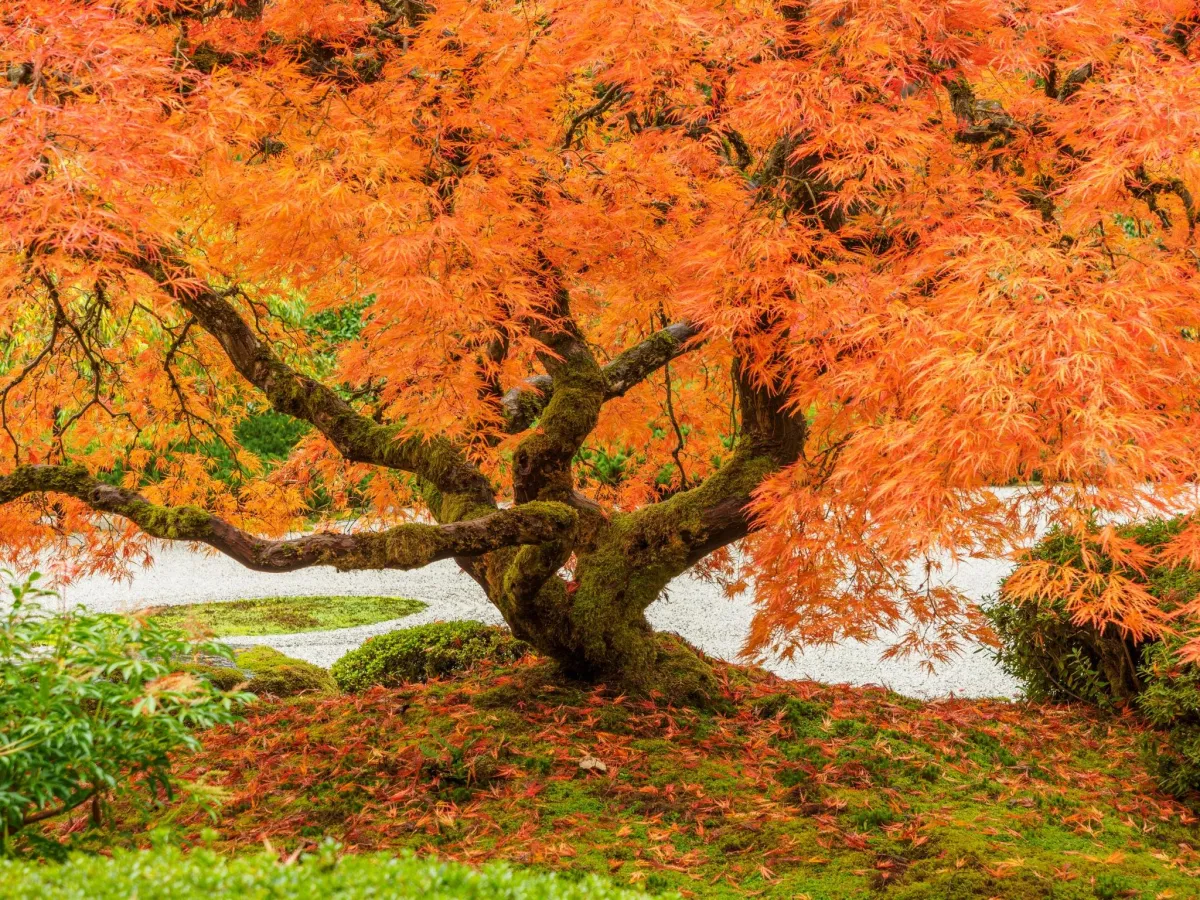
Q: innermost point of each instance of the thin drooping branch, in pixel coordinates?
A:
(72, 803)
(407, 546)
(459, 485)
(524, 403)
(611, 95)
(55, 326)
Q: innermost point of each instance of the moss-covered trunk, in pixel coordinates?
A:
(594, 626)
(582, 600)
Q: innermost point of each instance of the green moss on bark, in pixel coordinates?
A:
(171, 522)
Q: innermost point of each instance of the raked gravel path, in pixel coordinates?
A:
(694, 609)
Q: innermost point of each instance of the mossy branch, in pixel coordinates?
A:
(524, 403)
(408, 546)
(542, 461)
(358, 438)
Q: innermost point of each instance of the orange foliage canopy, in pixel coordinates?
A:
(955, 238)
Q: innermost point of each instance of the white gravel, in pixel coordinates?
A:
(696, 610)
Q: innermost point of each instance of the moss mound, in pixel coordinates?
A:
(223, 678)
(268, 673)
(428, 651)
(274, 674)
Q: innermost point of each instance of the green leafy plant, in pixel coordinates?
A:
(1061, 661)
(167, 872)
(426, 651)
(93, 705)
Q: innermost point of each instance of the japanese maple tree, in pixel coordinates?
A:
(583, 293)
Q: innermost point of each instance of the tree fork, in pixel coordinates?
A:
(595, 626)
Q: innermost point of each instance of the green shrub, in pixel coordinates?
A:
(1061, 661)
(168, 874)
(426, 651)
(272, 673)
(223, 678)
(1170, 700)
(92, 705)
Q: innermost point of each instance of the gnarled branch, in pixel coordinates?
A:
(524, 403)
(358, 438)
(542, 461)
(1148, 189)
(407, 546)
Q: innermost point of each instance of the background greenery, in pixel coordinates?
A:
(92, 706)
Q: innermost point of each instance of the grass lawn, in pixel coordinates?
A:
(795, 790)
(285, 615)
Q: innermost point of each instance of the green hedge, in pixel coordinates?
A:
(1170, 700)
(428, 651)
(1060, 661)
(169, 874)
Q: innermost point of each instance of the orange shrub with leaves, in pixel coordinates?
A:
(821, 272)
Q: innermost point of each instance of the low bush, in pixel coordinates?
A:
(93, 705)
(169, 874)
(1059, 660)
(266, 672)
(275, 674)
(426, 651)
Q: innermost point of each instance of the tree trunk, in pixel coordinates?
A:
(594, 624)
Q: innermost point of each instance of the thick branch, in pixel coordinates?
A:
(634, 365)
(525, 402)
(357, 437)
(657, 542)
(408, 546)
(542, 461)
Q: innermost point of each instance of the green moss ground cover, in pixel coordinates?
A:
(285, 615)
(794, 790)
